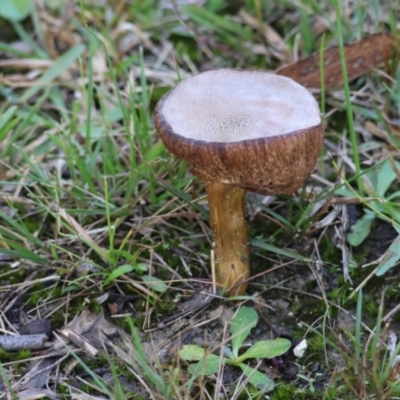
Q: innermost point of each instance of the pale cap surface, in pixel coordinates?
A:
(233, 105)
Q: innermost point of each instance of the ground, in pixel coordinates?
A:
(104, 236)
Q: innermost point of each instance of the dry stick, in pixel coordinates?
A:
(23, 342)
(361, 57)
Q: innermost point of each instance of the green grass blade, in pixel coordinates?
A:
(357, 339)
(349, 110)
(277, 250)
(59, 67)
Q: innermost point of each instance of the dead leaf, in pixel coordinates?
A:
(375, 130)
(113, 308)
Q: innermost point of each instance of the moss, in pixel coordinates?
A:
(87, 388)
(126, 372)
(332, 254)
(284, 392)
(315, 346)
(125, 322)
(95, 307)
(340, 293)
(6, 356)
(288, 391)
(102, 359)
(64, 388)
(370, 307)
(23, 354)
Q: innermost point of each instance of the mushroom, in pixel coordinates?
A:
(241, 131)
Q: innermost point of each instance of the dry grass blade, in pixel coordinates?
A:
(81, 232)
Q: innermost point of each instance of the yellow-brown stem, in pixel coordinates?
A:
(231, 245)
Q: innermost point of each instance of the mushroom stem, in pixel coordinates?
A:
(231, 245)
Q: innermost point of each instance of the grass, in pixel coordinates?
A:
(96, 215)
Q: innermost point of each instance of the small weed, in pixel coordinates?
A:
(370, 369)
(241, 324)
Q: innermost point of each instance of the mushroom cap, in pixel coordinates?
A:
(257, 130)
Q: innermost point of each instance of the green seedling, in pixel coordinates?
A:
(386, 207)
(241, 324)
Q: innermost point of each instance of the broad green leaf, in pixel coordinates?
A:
(266, 349)
(385, 178)
(207, 366)
(391, 257)
(372, 178)
(141, 267)
(208, 363)
(15, 10)
(277, 250)
(241, 325)
(390, 208)
(228, 353)
(393, 211)
(393, 195)
(258, 379)
(123, 269)
(361, 229)
(191, 352)
(344, 191)
(154, 283)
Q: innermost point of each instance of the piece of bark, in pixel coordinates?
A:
(361, 57)
(23, 342)
(35, 327)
